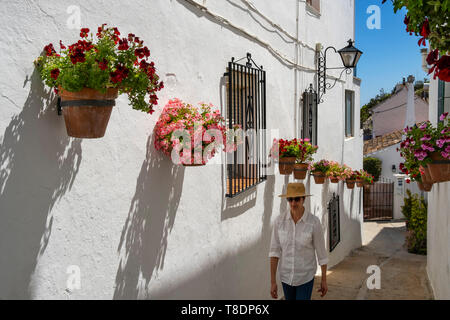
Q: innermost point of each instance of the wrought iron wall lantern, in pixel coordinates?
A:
(350, 57)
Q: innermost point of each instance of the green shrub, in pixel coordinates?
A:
(406, 208)
(373, 166)
(416, 238)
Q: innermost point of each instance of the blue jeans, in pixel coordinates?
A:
(302, 292)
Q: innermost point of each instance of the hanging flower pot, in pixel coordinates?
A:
(425, 175)
(350, 183)
(426, 187)
(300, 170)
(439, 168)
(319, 178)
(191, 136)
(86, 112)
(89, 74)
(359, 183)
(334, 179)
(319, 170)
(286, 165)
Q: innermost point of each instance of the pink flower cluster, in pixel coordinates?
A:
(195, 133)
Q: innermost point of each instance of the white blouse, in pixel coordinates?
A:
(296, 245)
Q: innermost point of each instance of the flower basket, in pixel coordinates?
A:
(286, 165)
(439, 168)
(319, 178)
(426, 187)
(191, 136)
(89, 75)
(319, 170)
(334, 179)
(300, 170)
(359, 183)
(350, 183)
(87, 119)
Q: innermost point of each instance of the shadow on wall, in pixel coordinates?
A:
(233, 276)
(38, 165)
(151, 217)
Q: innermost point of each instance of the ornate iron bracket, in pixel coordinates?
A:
(322, 84)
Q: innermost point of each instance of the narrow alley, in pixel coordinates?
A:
(403, 275)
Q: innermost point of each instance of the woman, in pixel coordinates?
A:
(297, 237)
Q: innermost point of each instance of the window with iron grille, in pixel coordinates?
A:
(309, 115)
(246, 106)
(314, 4)
(334, 222)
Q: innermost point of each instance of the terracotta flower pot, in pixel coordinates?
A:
(359, 183)
(439, 169)
(334, 180)
(424, 186)
(300, 170)
(350, 184)
(426, 177)
(87, 119)
(286, 165)
(319, 177)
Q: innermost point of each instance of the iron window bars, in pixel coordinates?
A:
(309, 116)
(334, 222)
(246, 98)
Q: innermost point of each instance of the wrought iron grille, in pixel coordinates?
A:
(309, 128)
(334, 222)
(379, 200)
(246, 106)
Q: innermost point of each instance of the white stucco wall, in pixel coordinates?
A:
(136, 225)
(438, 222)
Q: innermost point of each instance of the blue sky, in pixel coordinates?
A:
(390, 53)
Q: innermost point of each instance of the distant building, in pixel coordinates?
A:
(390, 115)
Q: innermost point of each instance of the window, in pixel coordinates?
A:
(246, 106)
(315, 4)
(349, 113)
(309, 115)
(334, 222)
(443, 97)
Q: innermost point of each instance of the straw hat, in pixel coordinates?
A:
(295, 190)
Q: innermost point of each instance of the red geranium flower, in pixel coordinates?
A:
(120, 74)
(123, 44)
(49, 50)
(54, 73)
(84, 32)
(103, 65)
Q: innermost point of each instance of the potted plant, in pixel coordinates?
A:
(89, 74)
(286, 151)
(335, 172)
(428, 147)
(190, 135)
(304, 157)
(319, 170)
(367, 178)
(439, 148)
(350, 176)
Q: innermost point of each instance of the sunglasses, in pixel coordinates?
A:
(297, 199)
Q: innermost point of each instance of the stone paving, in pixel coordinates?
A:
(403, 275)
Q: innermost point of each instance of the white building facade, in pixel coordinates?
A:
(112, 218)
(438, 221)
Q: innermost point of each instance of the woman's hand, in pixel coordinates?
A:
(274, 290)
(323, 288)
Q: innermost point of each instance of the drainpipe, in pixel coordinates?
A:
(410, 118)
(296, 103)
